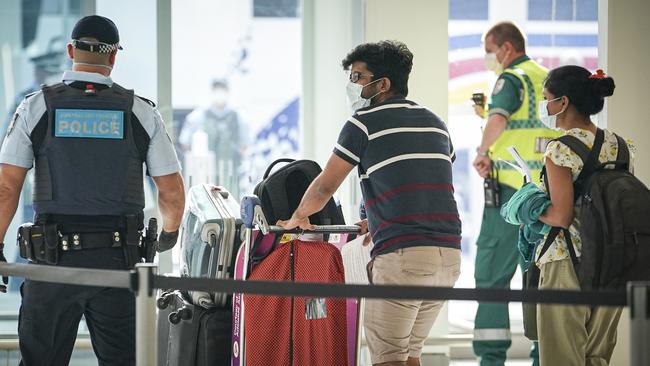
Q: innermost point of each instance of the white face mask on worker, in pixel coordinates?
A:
(492, 63)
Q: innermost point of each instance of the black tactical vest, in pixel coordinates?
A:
(88, 162)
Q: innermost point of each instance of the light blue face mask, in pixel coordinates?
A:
(549, 121)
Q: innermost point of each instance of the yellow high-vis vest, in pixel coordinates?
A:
(524, 129)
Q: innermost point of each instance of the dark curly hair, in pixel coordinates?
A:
(586, 94)
(390, 59)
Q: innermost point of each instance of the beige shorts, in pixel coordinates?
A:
(396, 329)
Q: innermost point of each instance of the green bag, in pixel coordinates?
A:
(531, 281)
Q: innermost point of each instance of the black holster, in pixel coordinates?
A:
(133, 244)
(150, 245)
(39, 243)
(491, 193)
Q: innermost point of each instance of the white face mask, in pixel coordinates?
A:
(549, 121)
(355, 100)
(492, 63)
(219, 98)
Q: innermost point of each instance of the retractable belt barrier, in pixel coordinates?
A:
(305, 289)
(143, 280)
(128, 279)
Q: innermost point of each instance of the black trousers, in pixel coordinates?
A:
(50, 314)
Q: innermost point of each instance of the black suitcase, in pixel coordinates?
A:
(195, 335)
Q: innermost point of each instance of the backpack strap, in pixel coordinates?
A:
(270, 168)
(555, 231)
(623, 155)
(549, 240)
(589, 159)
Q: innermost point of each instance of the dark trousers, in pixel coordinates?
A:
(497, 258)
(50, 314)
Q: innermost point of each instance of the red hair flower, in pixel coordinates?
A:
(598, 75)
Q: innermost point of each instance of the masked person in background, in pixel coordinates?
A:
(513, 120)
(227, 136)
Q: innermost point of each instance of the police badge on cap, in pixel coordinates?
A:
(100, 28)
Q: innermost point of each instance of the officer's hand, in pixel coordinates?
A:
(166, 240)
(483, 165)
(479, 110)
(5, 279)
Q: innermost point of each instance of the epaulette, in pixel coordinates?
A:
(29, 95)
(148, 101)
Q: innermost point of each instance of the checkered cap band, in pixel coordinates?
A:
(98, 47)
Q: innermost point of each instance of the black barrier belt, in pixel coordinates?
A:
(69, 275)
(126, 279)
(609, 298)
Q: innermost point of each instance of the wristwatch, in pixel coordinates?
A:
(479, 153)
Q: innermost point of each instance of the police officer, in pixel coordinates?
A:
(513, 120)
(89, 138)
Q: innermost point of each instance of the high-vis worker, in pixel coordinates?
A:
(88, 138)
(513, 120)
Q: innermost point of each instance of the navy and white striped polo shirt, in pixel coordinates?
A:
(404, 156)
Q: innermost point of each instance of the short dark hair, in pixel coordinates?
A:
(503, 32)
(587, 94)
(219, 84)
(390, 59)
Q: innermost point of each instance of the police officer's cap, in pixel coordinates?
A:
(100, 28)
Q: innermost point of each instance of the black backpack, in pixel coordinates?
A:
(613, 208)
(281, 192)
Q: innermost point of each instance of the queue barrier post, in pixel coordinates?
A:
(638, 299)
(146, 332)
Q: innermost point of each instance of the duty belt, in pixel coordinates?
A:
(78, 241)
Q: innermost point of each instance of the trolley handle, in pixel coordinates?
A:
(320, 229)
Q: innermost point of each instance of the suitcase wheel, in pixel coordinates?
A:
(163, 302)
(183, 313)
(174, 318)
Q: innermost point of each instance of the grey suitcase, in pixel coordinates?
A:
(210, 237)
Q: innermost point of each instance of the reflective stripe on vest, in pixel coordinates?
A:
(492, 334)
(524, 130)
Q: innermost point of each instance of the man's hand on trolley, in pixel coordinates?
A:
(295, 222)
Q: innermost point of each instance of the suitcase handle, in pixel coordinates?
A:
(282, 160)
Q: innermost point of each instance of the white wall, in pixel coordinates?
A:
(624, 54)
(330, 30)
(422, 25)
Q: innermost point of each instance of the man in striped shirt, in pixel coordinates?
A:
(403, 154)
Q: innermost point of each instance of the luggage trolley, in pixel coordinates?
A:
(259, 241)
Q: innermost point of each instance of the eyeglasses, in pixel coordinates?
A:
(356, 75)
